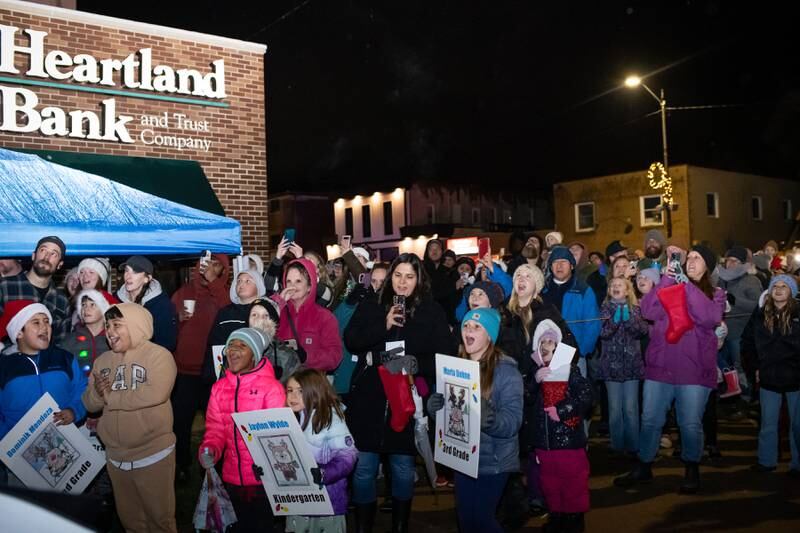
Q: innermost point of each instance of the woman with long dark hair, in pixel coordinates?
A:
(680, 364)
(421, 324)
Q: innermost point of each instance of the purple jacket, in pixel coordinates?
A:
(335, 453)
(693, 359)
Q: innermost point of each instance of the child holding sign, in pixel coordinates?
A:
(248, 384)
(559, 409)
(501, 418)
(313, 400)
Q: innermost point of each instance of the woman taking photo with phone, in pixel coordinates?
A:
(421, 325)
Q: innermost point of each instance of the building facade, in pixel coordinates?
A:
(310, 215)
(405, 219)
(711, 206)
(89, 88)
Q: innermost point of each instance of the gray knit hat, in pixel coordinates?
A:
(253, 338)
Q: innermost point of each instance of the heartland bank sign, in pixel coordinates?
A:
(21, 112)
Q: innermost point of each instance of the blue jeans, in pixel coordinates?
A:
(476, 502)
(690, 403)
(768, 436)
(623, 414)
(402, 466)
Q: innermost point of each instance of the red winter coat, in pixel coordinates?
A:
(317, 328)
(193, 333)
(237, 393)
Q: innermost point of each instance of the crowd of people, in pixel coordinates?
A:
(659, 335)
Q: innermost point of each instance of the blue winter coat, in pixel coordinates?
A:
(580, 303)
(24, 380)
(499, 451)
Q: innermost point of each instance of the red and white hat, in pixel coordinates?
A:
(16, 314)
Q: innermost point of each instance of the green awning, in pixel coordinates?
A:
(180, 181)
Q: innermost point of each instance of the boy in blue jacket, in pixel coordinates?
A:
(34, 367)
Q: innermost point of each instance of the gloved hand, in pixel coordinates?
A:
(435, 402)
(542, 373)
(487, 414)
(626, 313)
(207, 459)
(258, 472)
(406, 362)
(316, 475)
(617, 314)
(552, 412)
(301, 354)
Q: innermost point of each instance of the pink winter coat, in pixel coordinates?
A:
(236, 393)
(317, 328)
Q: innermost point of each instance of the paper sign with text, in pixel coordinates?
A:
(49, 457)
(458, 424)
(278, 446)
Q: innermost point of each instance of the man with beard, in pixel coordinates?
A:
(37, 284)
(655, 246)
(9, 267)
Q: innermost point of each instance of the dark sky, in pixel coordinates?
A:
(375, 94)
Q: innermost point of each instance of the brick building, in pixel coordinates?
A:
(101, 92)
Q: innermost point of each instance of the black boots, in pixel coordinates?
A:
(564, 523)
(401, 510)
(691, 479)
(365, 517)
(641, 473)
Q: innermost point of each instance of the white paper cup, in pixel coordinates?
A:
(188, 305)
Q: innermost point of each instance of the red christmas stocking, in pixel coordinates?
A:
(398, 392)
(674, 301)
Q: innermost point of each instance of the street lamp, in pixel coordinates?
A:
(632, 82)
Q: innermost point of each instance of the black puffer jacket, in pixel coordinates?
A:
(425, 334)
(229, 319)
(776, 356)
(551, 435)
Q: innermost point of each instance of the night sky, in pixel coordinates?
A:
(371, 95)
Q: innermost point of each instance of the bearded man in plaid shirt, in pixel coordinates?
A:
(37, 284)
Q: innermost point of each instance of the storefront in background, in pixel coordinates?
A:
(171, 112)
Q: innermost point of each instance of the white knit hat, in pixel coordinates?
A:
(96, 264)
(19, 320)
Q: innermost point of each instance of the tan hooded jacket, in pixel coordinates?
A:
(137, 414)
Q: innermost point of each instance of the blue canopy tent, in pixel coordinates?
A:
(97, 216)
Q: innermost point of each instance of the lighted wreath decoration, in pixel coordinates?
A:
(660, 180)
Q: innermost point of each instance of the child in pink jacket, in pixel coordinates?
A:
(249, 384)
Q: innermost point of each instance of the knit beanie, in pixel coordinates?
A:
(657, 236)
(465, 261)
(652, 274)
(787, 279)
(98, 265)
(489, 319)
(253, 338)
(560, 252)
(493, 291)
(55, 240)
(738, 252)
(536, 275)
(707, 255)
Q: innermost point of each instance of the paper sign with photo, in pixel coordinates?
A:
(277, 445)
(45, 456)
(458, 424)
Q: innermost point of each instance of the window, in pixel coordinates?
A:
(366, 221)
(650, 213)
(431, 214)
(712, 204)
(507, 216)
(755, 208)
(456, 213)
(584, 217)
(348, 221)
(388, 226)
(786, 206)
(274, 206)
(476, 216)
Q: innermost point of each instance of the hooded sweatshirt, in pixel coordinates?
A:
(316, 327)
(137, 414)
(193, 333)
(161, 309)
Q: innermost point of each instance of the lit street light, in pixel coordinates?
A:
(632, 82)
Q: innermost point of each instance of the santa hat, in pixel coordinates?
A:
(98, 265)
(16, 314)
(547, 329)
(103, 300)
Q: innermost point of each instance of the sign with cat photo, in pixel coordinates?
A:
(278, 447)
(458, 425)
